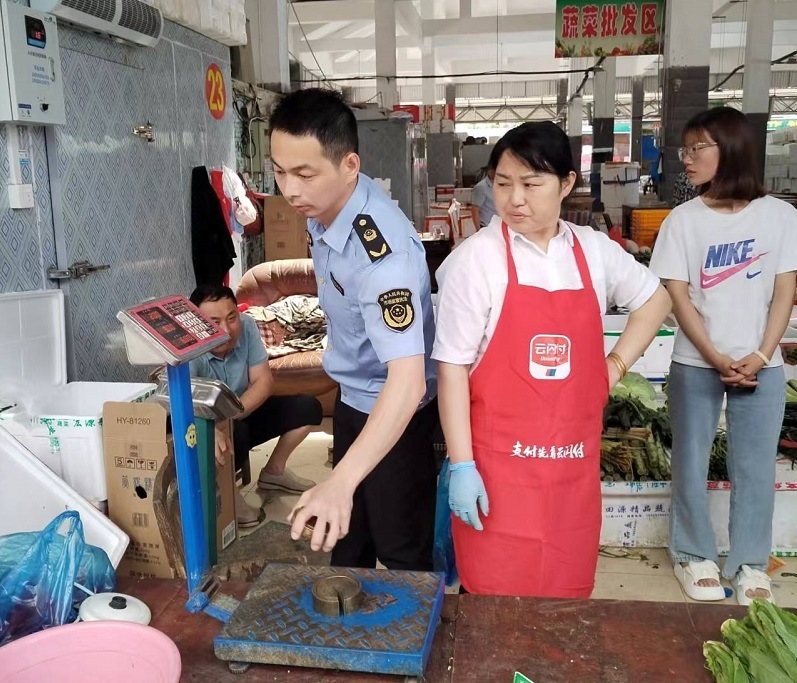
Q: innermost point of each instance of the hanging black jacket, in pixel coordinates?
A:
(212, 249)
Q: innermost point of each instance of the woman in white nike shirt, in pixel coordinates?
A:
(728, 258)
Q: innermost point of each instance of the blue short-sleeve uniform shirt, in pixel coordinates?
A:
(373, 285)
(233, 369)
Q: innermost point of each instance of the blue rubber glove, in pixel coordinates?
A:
(465, 489)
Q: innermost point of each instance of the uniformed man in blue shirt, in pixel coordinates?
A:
(373, 285)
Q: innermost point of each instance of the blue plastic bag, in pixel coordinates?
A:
(38, 573)
(443, 557)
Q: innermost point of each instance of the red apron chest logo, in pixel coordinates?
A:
(549, 356)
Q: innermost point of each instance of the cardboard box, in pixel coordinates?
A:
(285, 230)
(136, 446)
(226, 530)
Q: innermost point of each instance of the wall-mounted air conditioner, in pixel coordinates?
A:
(130, 20)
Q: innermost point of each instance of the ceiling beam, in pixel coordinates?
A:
(323, 11)
(515, 23)
(326, 30)
(408, 18)
(333, 44)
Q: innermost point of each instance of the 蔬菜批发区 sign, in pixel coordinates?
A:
(586, 28)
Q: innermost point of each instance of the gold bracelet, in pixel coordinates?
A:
(619, 362)
(761, 356)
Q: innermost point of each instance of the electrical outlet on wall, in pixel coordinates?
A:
(20, 196)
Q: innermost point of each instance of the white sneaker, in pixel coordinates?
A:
(287, 481)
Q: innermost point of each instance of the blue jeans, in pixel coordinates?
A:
(754, 421)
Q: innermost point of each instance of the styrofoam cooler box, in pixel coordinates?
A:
(464, 195)
(655, 361)
(31, 496)
(637, 514)
(59, 422)
(620, 184)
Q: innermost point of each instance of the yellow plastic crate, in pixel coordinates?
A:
(645, 224)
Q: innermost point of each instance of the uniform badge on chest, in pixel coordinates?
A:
(549, 356)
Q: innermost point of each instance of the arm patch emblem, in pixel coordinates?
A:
(397, 310)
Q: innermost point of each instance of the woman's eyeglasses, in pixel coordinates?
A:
(691, 152)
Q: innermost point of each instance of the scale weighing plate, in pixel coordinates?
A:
(212, 399)
(390, 633)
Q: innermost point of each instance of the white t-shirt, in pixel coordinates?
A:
(472, 282)
(730, 262)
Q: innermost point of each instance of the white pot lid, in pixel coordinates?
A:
(115, 607)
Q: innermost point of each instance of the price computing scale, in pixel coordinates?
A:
(379, 621)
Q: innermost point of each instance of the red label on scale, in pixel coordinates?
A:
(177, 325)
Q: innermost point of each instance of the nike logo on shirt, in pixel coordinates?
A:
(733, 257)
(750, 276)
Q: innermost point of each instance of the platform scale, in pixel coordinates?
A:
(378, 621)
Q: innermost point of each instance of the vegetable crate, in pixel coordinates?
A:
(655, 362)
(637, 514)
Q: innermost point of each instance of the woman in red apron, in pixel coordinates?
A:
(523, 378)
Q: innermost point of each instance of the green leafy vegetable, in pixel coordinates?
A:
(723, 663)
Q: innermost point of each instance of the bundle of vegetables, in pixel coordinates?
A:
(761, 648)
(788, 432)
(636, 434)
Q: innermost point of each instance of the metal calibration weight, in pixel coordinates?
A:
(337, 596)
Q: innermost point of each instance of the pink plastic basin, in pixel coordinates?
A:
(95, 651)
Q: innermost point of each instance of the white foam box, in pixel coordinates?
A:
(444, 193)
(438, 209)
(58, 422)
(31, 496)
(620, 184)
(778, 136)
(655, 361)
(637, 514)
(464, 195)
(432, 126)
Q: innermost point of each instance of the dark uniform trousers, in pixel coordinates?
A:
(392, 518)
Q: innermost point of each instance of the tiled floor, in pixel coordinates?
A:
(623, 574)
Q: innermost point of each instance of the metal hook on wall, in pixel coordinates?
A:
(145, 131)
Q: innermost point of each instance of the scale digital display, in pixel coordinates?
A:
(175, 327)
(35, 33)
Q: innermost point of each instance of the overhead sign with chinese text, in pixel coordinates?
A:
(587, 28)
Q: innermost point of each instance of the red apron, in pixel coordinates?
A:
(537, 399)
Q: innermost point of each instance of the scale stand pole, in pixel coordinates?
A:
(188, 483)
